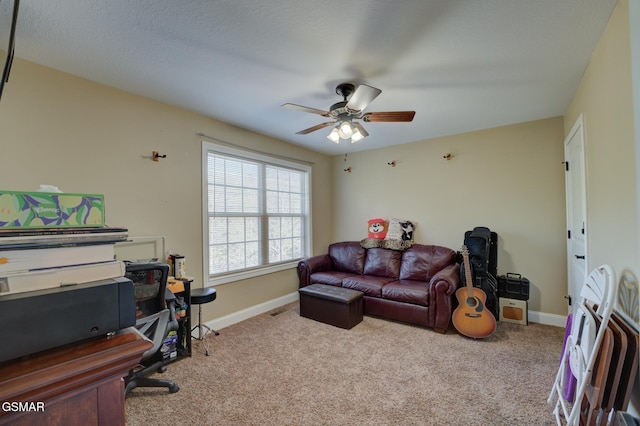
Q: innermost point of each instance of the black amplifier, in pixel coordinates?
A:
(513, 286)
(38, 320)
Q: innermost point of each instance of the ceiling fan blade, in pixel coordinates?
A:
(316, 127)
(362, 97)
(306, 109)
(361, 129)
(391, 116)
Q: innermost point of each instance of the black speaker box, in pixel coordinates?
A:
(513, 286)
(35, 321)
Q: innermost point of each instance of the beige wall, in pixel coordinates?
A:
(520, 183)
(84, 137)
(604, 97)
(509, 179)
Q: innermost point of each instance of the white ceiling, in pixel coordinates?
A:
(461, 65)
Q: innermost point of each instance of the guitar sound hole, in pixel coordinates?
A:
(474, 302)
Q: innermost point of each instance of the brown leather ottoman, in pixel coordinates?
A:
(332, 305)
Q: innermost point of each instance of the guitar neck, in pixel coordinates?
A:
(467, 273)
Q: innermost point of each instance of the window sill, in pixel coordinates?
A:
(243, 275)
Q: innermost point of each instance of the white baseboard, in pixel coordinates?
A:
(227, 320)
(548, 319)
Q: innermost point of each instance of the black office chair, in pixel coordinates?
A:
(155, 319)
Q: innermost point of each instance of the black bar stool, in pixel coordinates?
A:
(199, 296)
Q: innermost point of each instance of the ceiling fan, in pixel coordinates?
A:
(345, 112)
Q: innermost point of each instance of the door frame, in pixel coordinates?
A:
(578, 126)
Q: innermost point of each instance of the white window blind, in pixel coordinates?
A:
(256, 215)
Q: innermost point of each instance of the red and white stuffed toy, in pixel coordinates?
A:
(377, 229)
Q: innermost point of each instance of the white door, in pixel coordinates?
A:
(577, 261)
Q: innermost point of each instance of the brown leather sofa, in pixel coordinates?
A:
(415, 286)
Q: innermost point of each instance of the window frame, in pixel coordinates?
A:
(250, 155)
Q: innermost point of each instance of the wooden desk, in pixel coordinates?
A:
(80, 384)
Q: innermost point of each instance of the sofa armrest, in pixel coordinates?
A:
(308, 266)
(450, 275)
(441, 289)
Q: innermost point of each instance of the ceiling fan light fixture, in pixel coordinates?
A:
(344, 114)
(334, 136)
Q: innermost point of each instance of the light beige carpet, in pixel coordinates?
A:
(281, 369)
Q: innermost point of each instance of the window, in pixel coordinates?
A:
(256, 213)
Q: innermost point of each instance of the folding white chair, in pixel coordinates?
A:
(583, 344)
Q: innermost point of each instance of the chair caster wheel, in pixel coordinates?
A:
(173, 389)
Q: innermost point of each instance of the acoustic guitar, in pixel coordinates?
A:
(471, 318)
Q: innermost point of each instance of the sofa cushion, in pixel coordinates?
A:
(347, 257)
(382, 263)
(330, 277)
(368, 284)
(421, 262)
(408, 291)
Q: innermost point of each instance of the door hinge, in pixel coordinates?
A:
(568, 297)
(569, 233)
(566, 165)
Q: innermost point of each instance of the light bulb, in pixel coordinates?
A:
(345, 130)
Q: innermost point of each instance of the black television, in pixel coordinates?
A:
(11, 44)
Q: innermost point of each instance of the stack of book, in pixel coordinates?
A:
(42, 258)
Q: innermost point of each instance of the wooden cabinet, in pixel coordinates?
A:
(79, 384)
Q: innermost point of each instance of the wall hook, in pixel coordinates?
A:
(348, 169)
(448, 156)
(155, 156)
(392, 163)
